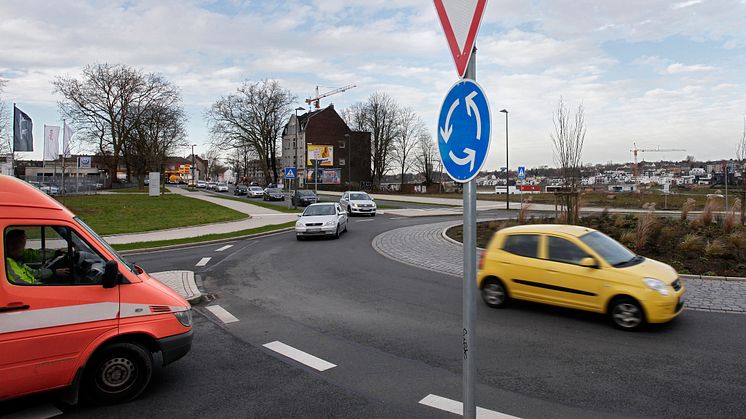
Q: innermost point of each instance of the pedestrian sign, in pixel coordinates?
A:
(290, 173)
(464, 130)
(521, 172)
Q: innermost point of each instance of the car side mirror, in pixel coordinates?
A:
(299, 215)
(589, 262)
(110, 278)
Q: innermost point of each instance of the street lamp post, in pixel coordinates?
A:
(295, 146)
(194, 181)
(507, 167)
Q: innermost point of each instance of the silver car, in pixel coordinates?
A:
(221, 187)
(327, 219)
(358, 203)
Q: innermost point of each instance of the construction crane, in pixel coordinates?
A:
(315, 100)
(636, 150)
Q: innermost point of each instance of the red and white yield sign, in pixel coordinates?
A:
(460, 20)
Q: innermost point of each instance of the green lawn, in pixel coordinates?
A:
(200, 239)
(135, 189)
(115, 214)
(258, 202)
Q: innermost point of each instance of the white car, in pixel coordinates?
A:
(255, 192)
(221, 187)
(327, 219)
(201, 184)
(358, 203)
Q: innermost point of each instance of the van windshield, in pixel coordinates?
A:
(108, 247)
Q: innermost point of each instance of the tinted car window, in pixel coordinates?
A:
(561, 250)
(272, 190)
(319, 210)
(359, 197)
(522, 244)
(305, 193)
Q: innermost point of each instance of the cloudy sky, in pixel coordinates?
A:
(658, 73)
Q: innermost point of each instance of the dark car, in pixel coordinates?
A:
(273, 194)
(241, 190)
(303, 197)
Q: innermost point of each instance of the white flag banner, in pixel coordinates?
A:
(67, 135)
(51, 142)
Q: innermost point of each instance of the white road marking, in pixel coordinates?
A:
(397, 218)
(38, 412)
(363, 221)
(203, 262)
(222, 314)
(457, 408)
(300, 356)
(226, 247)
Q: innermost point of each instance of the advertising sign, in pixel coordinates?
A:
(84, 162)
(154, 185)
(323, 153)
(326, 176)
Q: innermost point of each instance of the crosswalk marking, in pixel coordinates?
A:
(226, 247)
(300, 356)
(203, 262)
(457, 407)
(222, 314)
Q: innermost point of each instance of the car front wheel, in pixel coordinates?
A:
(626, 314)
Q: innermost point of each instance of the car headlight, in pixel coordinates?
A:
(184, 317)
(353, 205)
(656, 285)
(330, 223)
(298, 224)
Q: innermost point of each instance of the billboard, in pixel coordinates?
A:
(323, 153)
(326, 176)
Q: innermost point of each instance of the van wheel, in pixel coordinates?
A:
(117, 373)
(626, 314)
(494, 293)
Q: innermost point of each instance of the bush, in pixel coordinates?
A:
(692, 245)
(686, 207)
(645, 226)
(523, 212)
(732, 218)
(719, 249)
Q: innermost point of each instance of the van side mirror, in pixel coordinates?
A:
(110, 278)
(589, 262)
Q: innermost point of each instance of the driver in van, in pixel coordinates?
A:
(17, 258)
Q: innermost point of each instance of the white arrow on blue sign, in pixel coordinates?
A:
(464, 129)
(290, 173)
(521, 172)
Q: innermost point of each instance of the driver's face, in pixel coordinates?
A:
(15, 248)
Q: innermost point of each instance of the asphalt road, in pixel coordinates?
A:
(394, 333)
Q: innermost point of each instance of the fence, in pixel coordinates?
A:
(70, 185)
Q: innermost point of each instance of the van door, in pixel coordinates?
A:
(52, 306)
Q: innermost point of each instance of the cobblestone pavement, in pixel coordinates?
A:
(424, 246)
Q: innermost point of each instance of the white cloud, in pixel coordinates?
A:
(678, 68)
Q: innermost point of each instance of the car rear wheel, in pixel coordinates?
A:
(494, 293)
(117, 373)
(626, 314)
(336, 234)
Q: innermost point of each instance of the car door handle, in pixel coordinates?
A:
(552, 271)
(14, 308)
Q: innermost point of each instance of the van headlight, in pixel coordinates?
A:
(656, 285)
(184, 317)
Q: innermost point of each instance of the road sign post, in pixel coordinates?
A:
(464, 129)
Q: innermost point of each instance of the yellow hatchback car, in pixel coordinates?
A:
(581, 268)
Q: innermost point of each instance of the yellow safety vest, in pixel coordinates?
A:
(19, 273)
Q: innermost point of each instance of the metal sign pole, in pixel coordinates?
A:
(469, 307)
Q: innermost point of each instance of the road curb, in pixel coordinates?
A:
(207, 242)
(181, 281)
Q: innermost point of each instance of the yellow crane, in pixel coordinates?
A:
(635, 150)
(315, 100)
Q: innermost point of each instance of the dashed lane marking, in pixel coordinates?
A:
(226, 247)
(457, 407)
(203, 262)
(300, 356)
(363, 221)
(222, 314)
(37, 412)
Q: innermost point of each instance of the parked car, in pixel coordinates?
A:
(211, 185)
(50, 188)
(358, 203)
(303, 197)
(273, 194)
(581, 268)
(89, 322)
(255, 192)
(221, 187)
(201, 184)
(327, 219)
(241, 190)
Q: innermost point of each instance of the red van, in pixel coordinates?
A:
(75, 315)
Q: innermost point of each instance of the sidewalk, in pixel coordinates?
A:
(260, 217)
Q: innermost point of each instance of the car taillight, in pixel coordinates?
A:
(481, 260)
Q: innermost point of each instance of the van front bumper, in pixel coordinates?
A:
(175, 347)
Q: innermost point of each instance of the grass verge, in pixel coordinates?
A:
(262, 204)
(135, 189)
(116, 214)
(201, 239)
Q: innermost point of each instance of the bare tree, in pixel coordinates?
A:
(409, 128)
(426, 156)
(212, 157)
(6, 137)
(379, 116)
(105, 103)
(568, 139)
(252, 118)
(741, 158)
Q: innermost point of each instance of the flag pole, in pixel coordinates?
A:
(13, 145)
(64, 129)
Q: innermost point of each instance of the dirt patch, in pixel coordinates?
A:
(690, 246)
